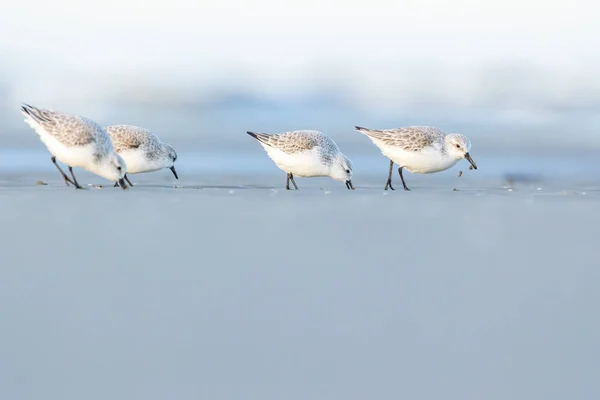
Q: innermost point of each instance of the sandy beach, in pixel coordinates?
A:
(229, 287)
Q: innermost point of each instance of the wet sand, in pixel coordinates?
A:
(229, 287)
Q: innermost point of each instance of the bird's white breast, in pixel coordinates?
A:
(304, 163)
(430, 159)
(137, 162)
(76, 156)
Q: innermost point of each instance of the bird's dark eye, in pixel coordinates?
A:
(458, 146)
(118, 168)
(347, 171)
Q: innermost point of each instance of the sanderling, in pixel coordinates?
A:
(77, 142)
(419, 149)
(142, 150)
(306, 153)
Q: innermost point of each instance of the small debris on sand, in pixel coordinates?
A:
(459, 174)
(41, 183)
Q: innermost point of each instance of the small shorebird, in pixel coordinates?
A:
(142, 150)
(419, 149)
(77, 142)
(306, 153)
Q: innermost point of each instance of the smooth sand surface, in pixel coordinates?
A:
(233, 288)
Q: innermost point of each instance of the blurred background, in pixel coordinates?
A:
(519, 79)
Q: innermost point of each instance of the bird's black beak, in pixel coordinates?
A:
(174, 172)
(469, 159)
(123, 184)
(349, 185)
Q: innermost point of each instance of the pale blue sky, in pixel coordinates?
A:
(378, 54)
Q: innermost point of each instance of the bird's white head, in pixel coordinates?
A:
(113, 168)
(341, 170)
(170, 158)
(171, 155)
(458, 147)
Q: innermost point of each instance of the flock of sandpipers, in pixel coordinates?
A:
(116, 151)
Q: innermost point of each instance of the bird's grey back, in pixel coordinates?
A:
(409, 138)
(126, 137)
(70, 130)
(295, 141)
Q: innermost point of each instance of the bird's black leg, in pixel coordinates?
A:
(402, 177)
(389, 180)
(74, 180)
(65, 177)
(291, 178)
(128, 181)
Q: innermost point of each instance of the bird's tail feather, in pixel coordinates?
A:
(261, 137)
(365, 130)
(254, 135)
(372, 133)
(34, 113)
